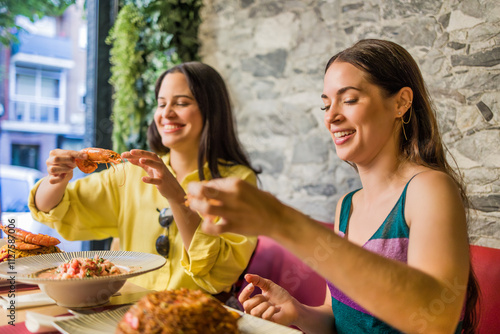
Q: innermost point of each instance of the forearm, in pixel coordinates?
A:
(382, 286)
(187, 221)
(315, 319)
(49, 195)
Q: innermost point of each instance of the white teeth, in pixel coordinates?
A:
(342, 133)
(171, 127)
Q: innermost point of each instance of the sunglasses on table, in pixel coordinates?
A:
(163, 243)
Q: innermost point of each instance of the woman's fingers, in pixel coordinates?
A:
(62, 162)
(221, 189)
(137, 154)
(152, 180)
(262, 309)
(54, 179)
(264, 284)
(270, 312)
(256, 305)
(158, 165)
(246, 293)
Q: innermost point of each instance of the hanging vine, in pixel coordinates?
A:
(148, 37)
(126, 67)
(181, 18)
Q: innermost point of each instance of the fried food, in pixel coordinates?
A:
(5, 253)
(21, 243)
(178, 311)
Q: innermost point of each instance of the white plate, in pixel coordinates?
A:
(25, 267)
(106, 322)
(77, 293)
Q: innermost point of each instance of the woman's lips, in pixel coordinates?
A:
(340, 137)
(169, 128)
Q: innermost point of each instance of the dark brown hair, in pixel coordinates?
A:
(391, 67)
(218, 143)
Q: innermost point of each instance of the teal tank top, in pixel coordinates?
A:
(391, 241)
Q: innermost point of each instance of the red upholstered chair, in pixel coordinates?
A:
(274, 262)
(486, 264)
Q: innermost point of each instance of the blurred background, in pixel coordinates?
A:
(80, 73)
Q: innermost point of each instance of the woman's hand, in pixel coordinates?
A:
(243, 207)
(274, 304)
(158, 174)
(60, 165)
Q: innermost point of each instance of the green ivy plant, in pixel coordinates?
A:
(127, 65)
(181, 18)
(148, 37)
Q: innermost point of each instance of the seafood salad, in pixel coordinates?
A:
(81, 268)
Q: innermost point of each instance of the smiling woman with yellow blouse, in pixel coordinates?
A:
(142, 201)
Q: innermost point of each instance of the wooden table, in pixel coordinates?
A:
(128, 294)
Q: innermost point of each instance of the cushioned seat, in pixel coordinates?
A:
(486, 264)
(274, 262)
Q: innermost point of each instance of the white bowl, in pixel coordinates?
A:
(86, 294)
(81, 292)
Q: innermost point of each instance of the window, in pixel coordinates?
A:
(14, 195)
(37, 94)
(25, 155)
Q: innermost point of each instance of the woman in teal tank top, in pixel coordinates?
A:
(398, 258)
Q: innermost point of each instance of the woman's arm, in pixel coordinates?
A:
(187, 221)
(60, 165)
(426, 294)
(214, 262)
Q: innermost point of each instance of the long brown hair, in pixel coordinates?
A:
(218, 143)
(391, 67)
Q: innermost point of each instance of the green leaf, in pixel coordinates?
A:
(148, 37)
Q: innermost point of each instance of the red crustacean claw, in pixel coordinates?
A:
(41, 239)
(25, 246)
(23, 236)
(97, 156)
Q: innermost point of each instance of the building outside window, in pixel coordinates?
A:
(37, 94)
(42, 90)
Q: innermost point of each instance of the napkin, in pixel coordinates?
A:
(25, 301)
(41, 323)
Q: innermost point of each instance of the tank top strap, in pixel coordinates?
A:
(403, 195)
(345, 211)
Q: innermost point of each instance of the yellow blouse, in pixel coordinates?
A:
(116, 203)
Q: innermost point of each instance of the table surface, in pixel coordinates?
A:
(128, 294)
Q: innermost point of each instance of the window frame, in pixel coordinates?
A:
(34, 104)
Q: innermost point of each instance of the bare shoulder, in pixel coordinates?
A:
(432, 192)
(435, 213)
(432, 182)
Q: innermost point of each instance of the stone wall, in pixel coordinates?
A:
(272, 54)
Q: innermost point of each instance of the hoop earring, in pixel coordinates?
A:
(403, 123)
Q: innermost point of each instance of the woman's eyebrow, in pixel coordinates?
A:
(186, 96)
(341, 91)
(177, 96)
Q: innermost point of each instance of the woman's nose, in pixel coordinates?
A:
(168, 111)
(331, 115)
